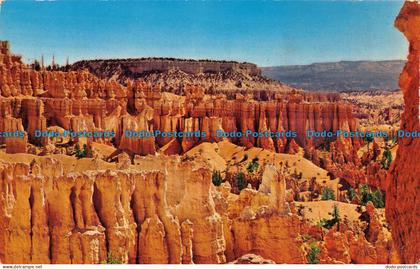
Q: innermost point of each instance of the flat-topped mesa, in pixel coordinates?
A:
(137, 67)
(227, 77)
(403, 203)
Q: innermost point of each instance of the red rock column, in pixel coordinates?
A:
(403, 199)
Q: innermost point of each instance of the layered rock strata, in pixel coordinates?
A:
(79, 101)
(137, 67)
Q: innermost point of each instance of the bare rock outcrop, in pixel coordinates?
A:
(252, 259)
(402, 199)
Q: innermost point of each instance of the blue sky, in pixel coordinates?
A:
(264, 32)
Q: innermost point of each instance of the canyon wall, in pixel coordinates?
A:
(403, 202)
(77, 100)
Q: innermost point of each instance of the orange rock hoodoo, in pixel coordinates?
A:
(403, 202)
(160, 210)
(77, 100)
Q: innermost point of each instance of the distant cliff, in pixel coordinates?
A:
(172, 75)
(339, 76)
(140, 66)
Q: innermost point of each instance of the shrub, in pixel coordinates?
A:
(327, 194)
(244, 158)
(81, 153)
(313, 254)
(351, 194)
(240, 181)
(112, 260)
(329, 223)
(216, 178)
(386, 159)
(336, 216)
(365, 195)
(378, 199)
(321, 163)
(253, 165)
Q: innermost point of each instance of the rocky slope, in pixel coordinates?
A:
(403, 203)
(376, 108)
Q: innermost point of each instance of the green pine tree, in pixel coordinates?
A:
(111, 260)
(216, 178)
(336, 216)
(81, 153)
(327, 194)
(313, 254)
(351, 194)
(253, 165)
(386, 159)
(240, 181)
(365, 195)
(378, 199)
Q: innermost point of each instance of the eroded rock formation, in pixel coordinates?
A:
(79, 101)
(158, 210)
(133, 203)
(403, 203)
(50, 215)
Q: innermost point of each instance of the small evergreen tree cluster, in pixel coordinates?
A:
(351, 194)
(329, 223)
(80, 153)
(327, 194)
(313, 254)
(253, 165)
(365, 195)
(112, 260)
(240, 181)
(376, 197)
(386, 159)
(216, 178)
(36, 65)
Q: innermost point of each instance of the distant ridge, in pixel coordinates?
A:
(138, 67)
(172, 74)
(340, 76)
